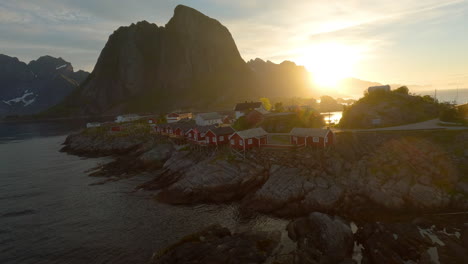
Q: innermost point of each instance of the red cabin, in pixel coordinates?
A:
(198, 133)
(314, 137)
(247, 139)
(218, 136)
(181, 128)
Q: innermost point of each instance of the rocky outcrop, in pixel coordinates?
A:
(406, 242)
(363, 175)
(34, 87)
(102, 145)
(216, 244)
(321, 238)
(190, 179)
(391, 108)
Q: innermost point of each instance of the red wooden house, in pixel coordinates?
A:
(247, 139)
(197, 134)
(181, 128)
(314, 137)
(218, 136)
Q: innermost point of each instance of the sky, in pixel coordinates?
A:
(408, 42)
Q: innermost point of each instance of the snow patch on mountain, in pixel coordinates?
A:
(62, 66)
(22, 99)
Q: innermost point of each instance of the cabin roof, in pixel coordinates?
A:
(201, 129)
(252, 133)
(247, 106)
(308, 132)
(227, 130)
(210, 116)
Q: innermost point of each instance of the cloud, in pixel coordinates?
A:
(275, 30)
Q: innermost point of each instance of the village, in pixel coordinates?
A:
(215, 130)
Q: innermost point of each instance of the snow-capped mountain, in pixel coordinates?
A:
(34, 87)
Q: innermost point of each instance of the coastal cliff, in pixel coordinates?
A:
(380, 197)
(363, 172)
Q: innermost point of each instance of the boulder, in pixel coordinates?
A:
(216, 244)
(321, 238)
(159, 153)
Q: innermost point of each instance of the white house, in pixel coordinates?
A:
(385, 88)
(127, 118)
(242, 109)
(176, 116)
(93, 124)
(206, 119)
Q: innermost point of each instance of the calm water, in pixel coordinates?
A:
(459, 96)
(49, 213)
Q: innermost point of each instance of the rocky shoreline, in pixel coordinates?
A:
(389, 184)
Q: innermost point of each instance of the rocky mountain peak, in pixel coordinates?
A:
(46, 66)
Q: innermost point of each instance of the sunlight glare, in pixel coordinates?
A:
(330, 62)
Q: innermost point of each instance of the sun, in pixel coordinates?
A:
(329, 62)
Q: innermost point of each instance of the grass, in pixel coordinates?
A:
(279, 139)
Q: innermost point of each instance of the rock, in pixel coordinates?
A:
(219, 245)
(159, 153)
(281, 188)
(190, 180)
(324, 199)
(404, 242)
(321, 238)
(426, 197)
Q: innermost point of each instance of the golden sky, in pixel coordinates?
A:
(387, 41)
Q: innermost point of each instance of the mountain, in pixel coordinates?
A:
(353, 87)
(34, 87)
(281, 80)
(191, 62)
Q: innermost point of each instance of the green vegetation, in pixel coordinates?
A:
(300, 118)
(266, 103)
(453, 114)
(279, 108)
(383, 109)
(241, 124)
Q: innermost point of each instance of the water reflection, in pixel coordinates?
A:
(332, 118)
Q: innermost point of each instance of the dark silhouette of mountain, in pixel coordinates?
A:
(281, 80)
(34, 87)
(191, 62)
(355, 87)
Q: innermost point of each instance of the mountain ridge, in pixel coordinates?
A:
(33, 87)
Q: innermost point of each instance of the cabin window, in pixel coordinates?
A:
(214, 139)
(295, 139)
(232, 142)
(207, 140)
(326, 140)
(316, 139)
(221, 138)
(249, 141)
(241, 142)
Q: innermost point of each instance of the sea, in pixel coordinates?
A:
(51, 211)
(457, 96)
